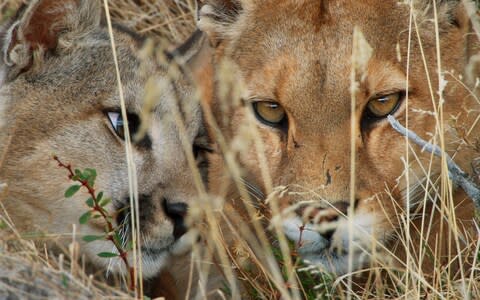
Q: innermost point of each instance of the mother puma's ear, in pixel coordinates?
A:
(449, 13)
(42, 27)
(220, 19)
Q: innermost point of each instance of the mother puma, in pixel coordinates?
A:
(295, 58)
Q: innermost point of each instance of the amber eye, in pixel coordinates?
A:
(269, 112)
(380, 107)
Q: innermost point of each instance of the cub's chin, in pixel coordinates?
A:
(155, 255)
(155, 259)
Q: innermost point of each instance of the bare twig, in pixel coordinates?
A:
(456, 174)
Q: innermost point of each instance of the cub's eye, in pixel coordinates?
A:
(117, 123)
(380, 107)
(270, 113)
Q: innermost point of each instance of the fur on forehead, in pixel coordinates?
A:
(223, 19)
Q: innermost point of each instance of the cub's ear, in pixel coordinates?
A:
(42, 27)
(219, 18)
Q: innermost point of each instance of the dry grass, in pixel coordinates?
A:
(34, 271)
(170, 19)
(27, 274)
(262, 259)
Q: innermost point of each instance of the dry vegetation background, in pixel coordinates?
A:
(172, 20)
(25, 270)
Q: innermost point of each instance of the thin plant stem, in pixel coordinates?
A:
(98, 208)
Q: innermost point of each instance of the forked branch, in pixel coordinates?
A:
(456, 174)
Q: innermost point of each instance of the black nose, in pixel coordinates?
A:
(176, 212)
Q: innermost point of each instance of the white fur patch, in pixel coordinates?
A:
(316, 250)
(204, 22)
(306, 236)
(6, 43)
(185, 243)
(362, 229)
(151, 267)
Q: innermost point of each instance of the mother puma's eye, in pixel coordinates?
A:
(270, 113)
(117, 123)
(382, 106)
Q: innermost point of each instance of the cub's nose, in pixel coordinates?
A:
(176, 212)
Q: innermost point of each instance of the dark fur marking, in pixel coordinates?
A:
(188, 44)
(138, 38)
(329, 177)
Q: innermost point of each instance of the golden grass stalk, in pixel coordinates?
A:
(270, 271)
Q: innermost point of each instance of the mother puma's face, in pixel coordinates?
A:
(295, 58)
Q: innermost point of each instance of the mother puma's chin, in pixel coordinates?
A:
(295, 61)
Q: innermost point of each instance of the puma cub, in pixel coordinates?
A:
(59, 96)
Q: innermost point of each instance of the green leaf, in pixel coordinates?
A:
(117, 238)
(105, 201)
(72, 190)
(91, 175)
(99, 196)
(65, 281)
(85, 217)
(90, 202)
(3, 225)
(130, 246)
(91, 238)
(91, 172)
(79, 175)
(107, 254)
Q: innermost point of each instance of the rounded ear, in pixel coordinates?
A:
(465, 15)
(218, 17)
(449, 12)
(38, 26)
(454, 12)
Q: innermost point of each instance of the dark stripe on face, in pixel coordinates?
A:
(138, 38)
(190, 43)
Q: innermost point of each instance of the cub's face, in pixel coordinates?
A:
(295, 58)
(68, 104)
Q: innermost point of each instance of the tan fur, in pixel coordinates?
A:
(58, 85)
(203, 277)
(298, 54)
